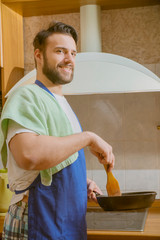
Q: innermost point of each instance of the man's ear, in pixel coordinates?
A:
(38, 56)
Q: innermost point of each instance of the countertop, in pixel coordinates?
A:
(151, 230)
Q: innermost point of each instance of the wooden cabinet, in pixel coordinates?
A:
(12, 65)
(12, 13)
(0, 35)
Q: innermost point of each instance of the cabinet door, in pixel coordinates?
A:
(12, 48)
(0, 37)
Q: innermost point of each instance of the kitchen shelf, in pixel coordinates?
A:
(41, 7)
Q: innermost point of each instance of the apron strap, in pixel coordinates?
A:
(40, 84)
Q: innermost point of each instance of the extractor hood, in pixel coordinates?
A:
(98, 72)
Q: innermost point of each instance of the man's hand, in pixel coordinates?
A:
(102, 150)
(91, 188)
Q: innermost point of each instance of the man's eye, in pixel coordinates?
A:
(74, 54)
(59, 51)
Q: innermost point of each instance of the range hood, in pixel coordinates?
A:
(98, 72)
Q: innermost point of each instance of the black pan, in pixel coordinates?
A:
(127, 201)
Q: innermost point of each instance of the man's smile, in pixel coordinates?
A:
(66, 68)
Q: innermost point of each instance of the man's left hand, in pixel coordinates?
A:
(91, 189)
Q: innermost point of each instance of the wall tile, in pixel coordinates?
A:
(158, 148)
(90, 174)
(157, 123)
(142, 180)
(100, 178)
(119, 153)
(121, 178)
(140, 113)
(140, 155)
(91, 161)
(157, 97)
(106, 116)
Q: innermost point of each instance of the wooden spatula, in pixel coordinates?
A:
(112, 185)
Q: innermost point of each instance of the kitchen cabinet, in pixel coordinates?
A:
(0, 34)
(12, 68)
(0, 49)
(12, 13)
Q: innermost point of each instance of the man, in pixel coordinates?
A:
(46, 164)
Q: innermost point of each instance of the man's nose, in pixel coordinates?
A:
(69, 57)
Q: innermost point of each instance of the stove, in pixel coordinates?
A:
(131, 220)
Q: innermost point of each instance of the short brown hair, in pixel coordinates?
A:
(54, 27)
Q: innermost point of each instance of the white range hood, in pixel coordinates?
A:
(108, 73)
(98, 72)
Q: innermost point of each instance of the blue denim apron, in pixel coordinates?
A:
(58, 212)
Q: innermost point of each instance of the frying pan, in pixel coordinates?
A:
(127, 201)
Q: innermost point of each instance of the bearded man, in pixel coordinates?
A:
(42, 143)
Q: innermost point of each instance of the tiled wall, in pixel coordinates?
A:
(127, 121)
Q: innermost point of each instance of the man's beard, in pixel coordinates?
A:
(54, 75)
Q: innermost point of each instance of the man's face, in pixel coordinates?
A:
(59, 58)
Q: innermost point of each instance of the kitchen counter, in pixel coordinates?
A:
(151, 230)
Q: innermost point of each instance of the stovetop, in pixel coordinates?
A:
(131, 220)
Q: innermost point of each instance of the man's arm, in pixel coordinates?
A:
(39, 152)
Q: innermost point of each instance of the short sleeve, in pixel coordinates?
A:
(15, 128)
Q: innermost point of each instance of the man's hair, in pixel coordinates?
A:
(54, 27)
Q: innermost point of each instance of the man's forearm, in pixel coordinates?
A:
(38, 152)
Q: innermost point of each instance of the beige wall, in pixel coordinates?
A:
(133, 33)
(127, 121)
